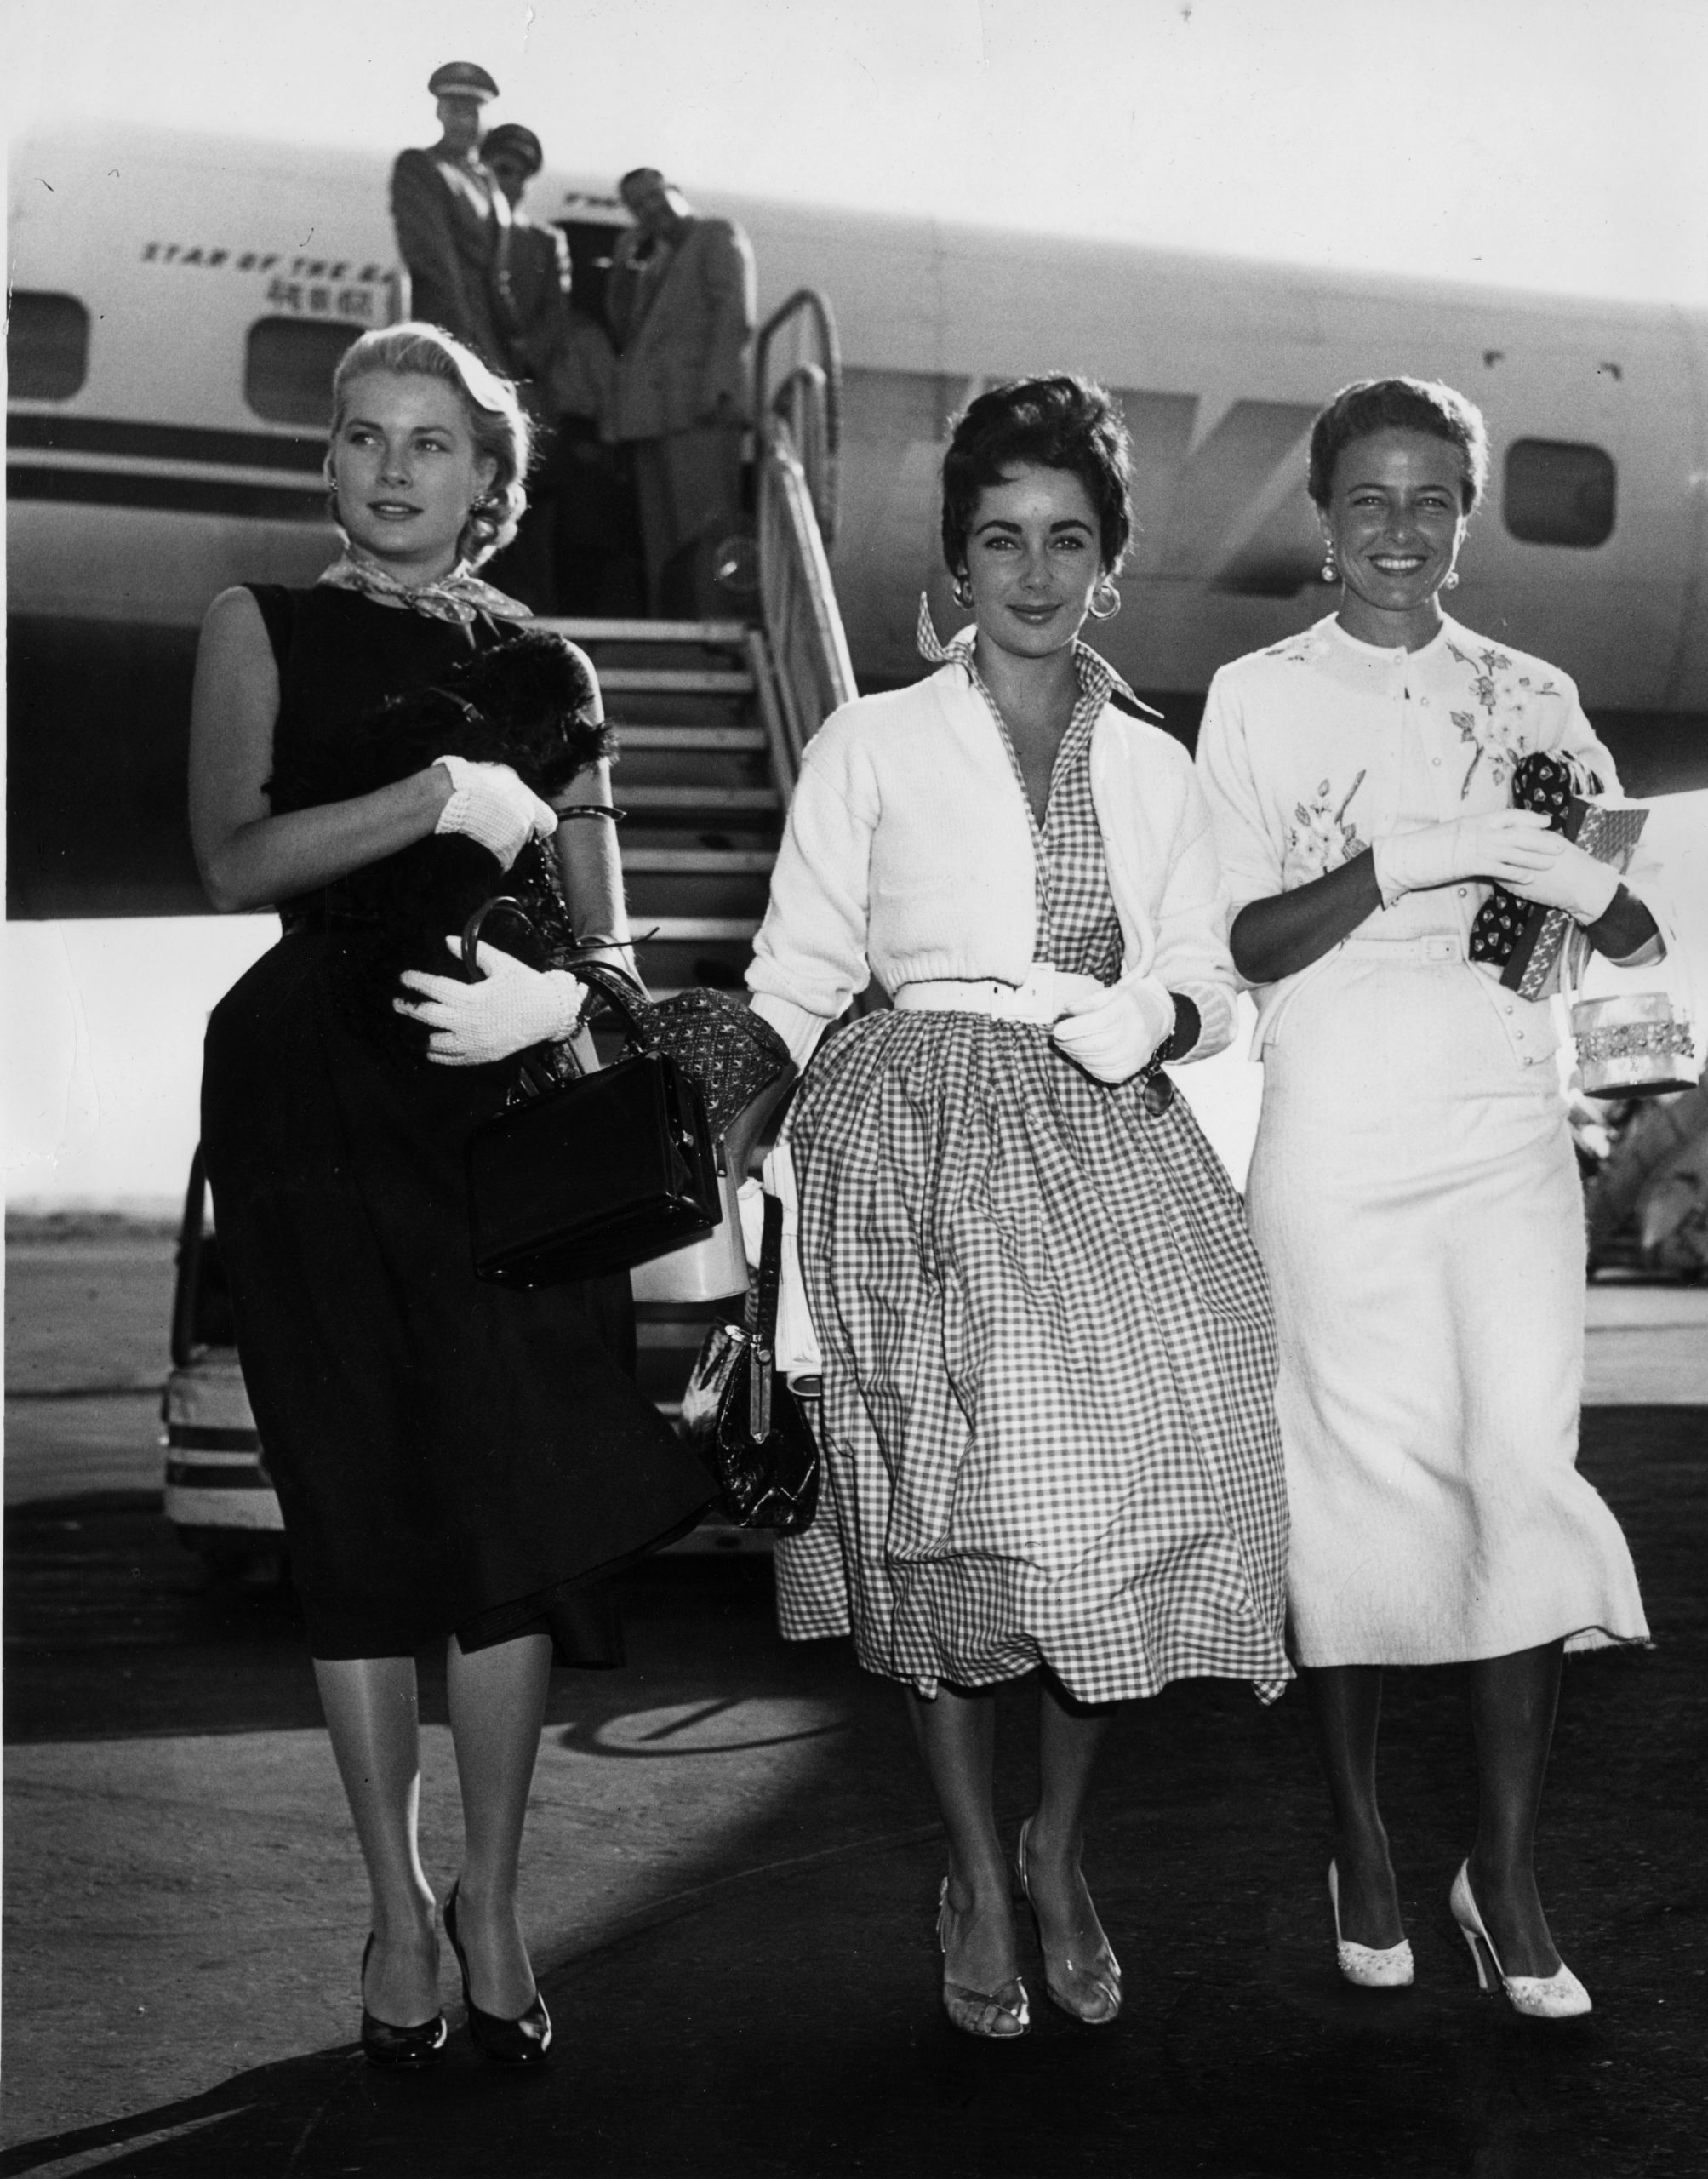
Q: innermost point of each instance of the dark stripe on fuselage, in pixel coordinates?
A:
(106, 487)
(214, 1437)
(166, 442)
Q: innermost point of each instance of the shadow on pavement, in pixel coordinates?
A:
(781, 2019)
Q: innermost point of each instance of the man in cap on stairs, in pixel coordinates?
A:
(453, 222)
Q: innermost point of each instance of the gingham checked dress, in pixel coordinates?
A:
(1048, 1358)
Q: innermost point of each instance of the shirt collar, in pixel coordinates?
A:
(1097, 677)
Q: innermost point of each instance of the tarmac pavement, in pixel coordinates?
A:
(732, 1866)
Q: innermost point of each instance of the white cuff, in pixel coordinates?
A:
(799, 1030)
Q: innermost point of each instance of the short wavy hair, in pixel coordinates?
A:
(1058, 422)
(498, 424)
(1399, 404)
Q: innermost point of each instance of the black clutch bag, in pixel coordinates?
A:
(743, 1420)
(595, 1174)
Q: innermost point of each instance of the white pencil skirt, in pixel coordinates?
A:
(1416, 1202)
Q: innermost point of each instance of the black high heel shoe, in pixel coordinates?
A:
(383, 2045)
(520, 2042)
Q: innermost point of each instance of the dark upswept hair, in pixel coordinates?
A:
(1059, 422)
(497, 421)
(1399, 404)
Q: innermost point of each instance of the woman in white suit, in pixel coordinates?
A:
(1414, 1191)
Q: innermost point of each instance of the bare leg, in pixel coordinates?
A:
(371, 1715)
(1070, 1734)
(1512, 1703)
(1347, 1702)
(957, 1737)
(498, 1705)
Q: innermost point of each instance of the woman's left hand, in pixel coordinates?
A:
(1574, 881)
(511, 1009)
(1112, 1035)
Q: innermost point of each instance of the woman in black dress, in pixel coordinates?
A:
(453, 1459)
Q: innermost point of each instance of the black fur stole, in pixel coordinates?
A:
(531, 702)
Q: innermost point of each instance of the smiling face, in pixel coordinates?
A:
(406, 471)
(1033, 559)
(1395, 521)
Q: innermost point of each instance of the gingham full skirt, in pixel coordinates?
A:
(1049, 1367)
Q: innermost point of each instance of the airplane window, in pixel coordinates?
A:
(46, 347)
(288, 370)
(1559, 494)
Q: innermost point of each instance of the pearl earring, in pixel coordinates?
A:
(1330, 572)
(1450, 581)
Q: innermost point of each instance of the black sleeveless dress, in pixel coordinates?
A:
(450, 1457)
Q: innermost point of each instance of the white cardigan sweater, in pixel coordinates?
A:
(908, 855)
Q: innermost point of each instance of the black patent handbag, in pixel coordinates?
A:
(594, 1174)
(742, 1420)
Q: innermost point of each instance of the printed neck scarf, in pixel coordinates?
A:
(456, 596)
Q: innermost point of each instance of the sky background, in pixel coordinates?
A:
(1558, 144)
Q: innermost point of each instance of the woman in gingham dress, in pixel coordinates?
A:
(1048, 1358)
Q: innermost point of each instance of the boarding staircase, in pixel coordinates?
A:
(711, 719)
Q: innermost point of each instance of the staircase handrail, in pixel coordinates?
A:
(805, 639)
(818, 361)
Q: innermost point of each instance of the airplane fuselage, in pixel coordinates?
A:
(180, 302)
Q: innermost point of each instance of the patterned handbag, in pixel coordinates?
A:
(1635, 1042)
(741, 1418)
(593, 1175)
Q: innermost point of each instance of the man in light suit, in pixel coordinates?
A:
(681, 303)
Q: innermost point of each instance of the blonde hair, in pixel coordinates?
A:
(497, 422)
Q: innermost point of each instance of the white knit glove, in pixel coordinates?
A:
(490, 804)
(1574, 881)
(1112, 1035)
(1509, 846)
(513, 1007)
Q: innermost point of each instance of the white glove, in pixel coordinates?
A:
(1112, 1035)
(490, 804)
(514, 1006)
(1574, 881)
(1508, 846)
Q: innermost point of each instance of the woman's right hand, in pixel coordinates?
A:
(1507, 847)
(491, 805)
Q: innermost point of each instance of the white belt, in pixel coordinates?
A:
(1035, 1000)
(1445, 946)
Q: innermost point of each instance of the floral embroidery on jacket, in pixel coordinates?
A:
(1299, 649)
(1321, 840)
(1503, 727)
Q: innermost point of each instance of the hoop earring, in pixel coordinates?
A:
(963, 593)
(1330, 572)
(1104, 588)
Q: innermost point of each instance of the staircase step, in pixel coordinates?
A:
(674, 680)
(712, 633)
(691, 741)
(699, 801)
(698, 862)
(688, 1336)
(691, 930)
